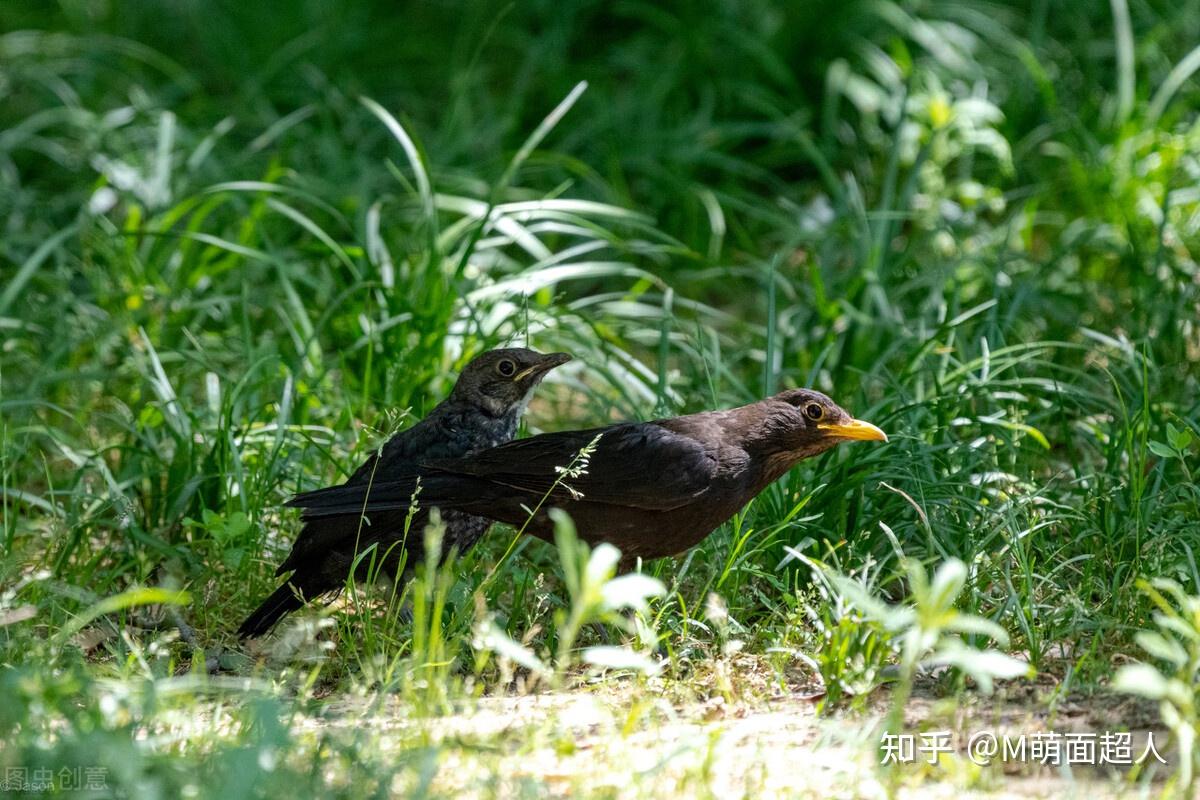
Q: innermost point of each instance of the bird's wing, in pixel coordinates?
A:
(402, 450)
(635, 465)
(638, 465)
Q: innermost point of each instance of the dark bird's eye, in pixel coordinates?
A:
(814, 411)
(506, 368)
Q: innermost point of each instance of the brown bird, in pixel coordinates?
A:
(653, 489)
(482, 411)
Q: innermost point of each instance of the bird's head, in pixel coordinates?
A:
(807, 423)
(502, 381)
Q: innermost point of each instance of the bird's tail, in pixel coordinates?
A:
(282, 601)
(445, 490)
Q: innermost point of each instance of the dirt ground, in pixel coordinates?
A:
(632, 743)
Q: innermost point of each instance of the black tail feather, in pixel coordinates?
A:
(282, 601)
(436, 489)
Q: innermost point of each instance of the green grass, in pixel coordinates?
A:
(237, 253)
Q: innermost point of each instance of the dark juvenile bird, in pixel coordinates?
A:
(652, 489)
(481, 412)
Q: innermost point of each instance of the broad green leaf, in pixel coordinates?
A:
(1162, 450)
(948, 582)
(1140, 679)
(631, 591)
(1162, 647)
(609, 657)
(969, 623)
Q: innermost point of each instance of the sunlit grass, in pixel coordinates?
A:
(228, 273)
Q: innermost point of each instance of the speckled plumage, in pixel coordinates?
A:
(483, 411)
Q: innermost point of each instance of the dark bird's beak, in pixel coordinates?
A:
(548, 362)
(855, 430)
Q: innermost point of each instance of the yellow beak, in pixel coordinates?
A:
(857, 430)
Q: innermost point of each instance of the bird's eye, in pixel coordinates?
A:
(813, 411)
(506, 367)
